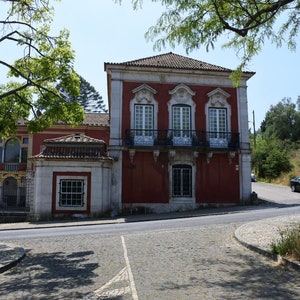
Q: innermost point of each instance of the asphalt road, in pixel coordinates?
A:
(193, 258)
(276, 193)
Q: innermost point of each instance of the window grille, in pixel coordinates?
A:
(71, 193)
(182, 181)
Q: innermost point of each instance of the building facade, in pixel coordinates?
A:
(178, 133)
(74, 157)
(176, 138)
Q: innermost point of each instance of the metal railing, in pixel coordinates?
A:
(11, 166)
(183, 138)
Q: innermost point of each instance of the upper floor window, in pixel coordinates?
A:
(181, 114)
(12, 151)
(143, 117)
(218, 112)
(181, 119)
(143, 108)
(218, 122)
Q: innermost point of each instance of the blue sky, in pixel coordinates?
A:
(102, 31)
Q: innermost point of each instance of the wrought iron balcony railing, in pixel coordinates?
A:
(11, 167)
(185, 138)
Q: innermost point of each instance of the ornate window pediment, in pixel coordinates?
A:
(144, 94)
(218, 98)
(182, 94)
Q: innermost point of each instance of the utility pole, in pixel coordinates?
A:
(254, 132)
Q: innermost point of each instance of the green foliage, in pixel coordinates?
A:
(88, 97)
(245, 24)
(270, 158)
(282, 121)
(45, 60)
(288, 244)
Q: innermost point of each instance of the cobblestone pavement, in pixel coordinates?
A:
(204, 262)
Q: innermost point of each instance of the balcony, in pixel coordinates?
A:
(13, 167)
(181, 138)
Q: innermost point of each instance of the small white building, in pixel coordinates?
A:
(71, 177)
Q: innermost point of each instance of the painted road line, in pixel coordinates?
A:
(130, 275)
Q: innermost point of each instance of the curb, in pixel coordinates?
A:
(13, 256)
(268, 254)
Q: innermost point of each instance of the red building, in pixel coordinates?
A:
(178, 133)
(177, 138)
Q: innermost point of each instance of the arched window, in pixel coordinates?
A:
(12, 151)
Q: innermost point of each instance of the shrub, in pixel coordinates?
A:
(288, 244)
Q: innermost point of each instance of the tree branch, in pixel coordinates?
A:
(252, 18)
(6, 22)
(28, 84)
(14, 91)
(9, 37)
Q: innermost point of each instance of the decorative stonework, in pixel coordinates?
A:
(218, 98)
(144, 94)
(182, 94)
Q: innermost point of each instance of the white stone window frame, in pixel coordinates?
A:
(218, 99)
(182, 95)
(59, 178)
(144, 95)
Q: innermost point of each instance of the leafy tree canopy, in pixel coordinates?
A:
(245, 24)
(44, 61)
(282, 121)
(88, 97)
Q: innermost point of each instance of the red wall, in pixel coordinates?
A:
(145, 181)
(218, 180)
(163, 97)
(38, 138)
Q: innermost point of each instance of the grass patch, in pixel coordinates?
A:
(288, 244)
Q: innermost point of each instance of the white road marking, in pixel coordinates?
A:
(131, 280)
(121, 276)
(106, 291)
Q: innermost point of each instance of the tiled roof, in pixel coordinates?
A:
(74, 139)
(74, 146)
(70, 153)
(96, 119)
(173, 61)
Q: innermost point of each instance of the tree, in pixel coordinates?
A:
(88, 97)
(282, 121)
(44, 61)
(248, 25)
(270, 158)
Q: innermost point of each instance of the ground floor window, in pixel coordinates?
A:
(182, 181)
(71, 192)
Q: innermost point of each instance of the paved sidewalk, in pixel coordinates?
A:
(259, 236)
(256, 235)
